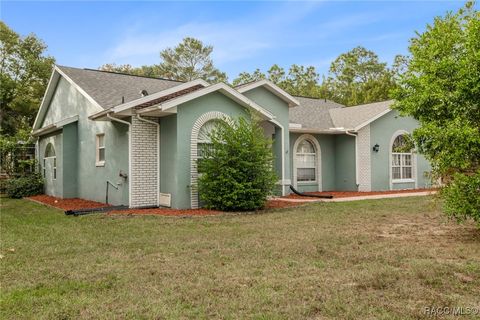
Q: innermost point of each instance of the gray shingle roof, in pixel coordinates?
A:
(313, 113)
(108, 88)
(352, 117)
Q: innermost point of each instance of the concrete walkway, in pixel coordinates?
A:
(367, 197)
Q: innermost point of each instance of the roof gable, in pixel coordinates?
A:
(270, 86)
(357, 117)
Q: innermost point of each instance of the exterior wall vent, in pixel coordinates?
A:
(165, 199)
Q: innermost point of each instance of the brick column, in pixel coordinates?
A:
(144, 163)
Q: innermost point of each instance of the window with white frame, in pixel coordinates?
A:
(100, 150)
(50, 156)
(401, 160)
(306, 159)
(204, 143)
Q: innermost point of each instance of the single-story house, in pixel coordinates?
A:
(137, 139)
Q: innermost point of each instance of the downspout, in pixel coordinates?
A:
(129, 156)
(158, 153)
(356, 154)
(283, 154)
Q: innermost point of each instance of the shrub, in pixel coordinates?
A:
(25, 186)
(462, 197)
(237, 167)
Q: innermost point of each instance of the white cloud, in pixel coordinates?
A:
(232, 40)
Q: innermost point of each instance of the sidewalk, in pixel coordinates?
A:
(356, 198)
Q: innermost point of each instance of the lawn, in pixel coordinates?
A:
(377, 259)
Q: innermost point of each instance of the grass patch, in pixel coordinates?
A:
(377, 259)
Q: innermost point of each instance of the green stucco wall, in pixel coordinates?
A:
(90, 180)
(381, 133)
(327, 154)
(168, 155)
(70, 160)
(345, 163)
(187, 114)
(280, 110)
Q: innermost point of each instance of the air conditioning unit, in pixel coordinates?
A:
(165, 199)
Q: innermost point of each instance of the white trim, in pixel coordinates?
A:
(413, 159)
(222, 87)
(98, 162)
(47, 94)
(403, 180)
(204, 118)
(166, 92)
(76, 86)
(158, 153)
(66, 121)
(360, 126)
(54, 126)
(129, 156)
(50, 91)
(283, 152)
(270, 86)
(318, 154)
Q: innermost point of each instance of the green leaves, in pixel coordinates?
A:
(441, 89)
(24, 74)
(236, 172)
(358, 77)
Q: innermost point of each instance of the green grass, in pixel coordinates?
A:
(380, 259)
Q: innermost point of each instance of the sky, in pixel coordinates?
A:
(245, 35)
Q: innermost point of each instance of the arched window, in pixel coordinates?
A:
(306, 159)
(203, 141)
(401, 159)
(50, 156)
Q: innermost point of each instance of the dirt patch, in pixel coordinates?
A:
(67, 204)
(348, 194)
(76, 204)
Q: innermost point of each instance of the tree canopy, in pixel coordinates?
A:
(189, 60)
(358, 77)
(24, 73)
(300, 80)
(441, 89)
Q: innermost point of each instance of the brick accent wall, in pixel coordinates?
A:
(364, 159)
(144, 163)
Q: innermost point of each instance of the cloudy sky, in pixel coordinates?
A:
(245, 35)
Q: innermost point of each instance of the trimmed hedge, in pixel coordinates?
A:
(25, 186)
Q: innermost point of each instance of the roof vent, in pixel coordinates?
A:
(123, 99)
(144, 93)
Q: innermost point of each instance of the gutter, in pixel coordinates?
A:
(354, 134)
(129, 155)
(158, 153)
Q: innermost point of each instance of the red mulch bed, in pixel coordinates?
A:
(347, 194)
(67, 204)
(76, 203)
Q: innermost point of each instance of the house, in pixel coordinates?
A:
(136, 140)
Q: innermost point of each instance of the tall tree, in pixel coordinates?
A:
(190, 60)
(147, 71)
(299, 80)
(358, 77)
(441, 89)
(24, 73)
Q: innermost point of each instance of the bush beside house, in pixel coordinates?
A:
(236, 172)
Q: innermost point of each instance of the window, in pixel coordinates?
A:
(203, 143)
(401, 160)
(50, 156)
(55, 168)
(100, 150)
(306, 162)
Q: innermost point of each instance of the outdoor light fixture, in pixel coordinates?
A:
(376, 147)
